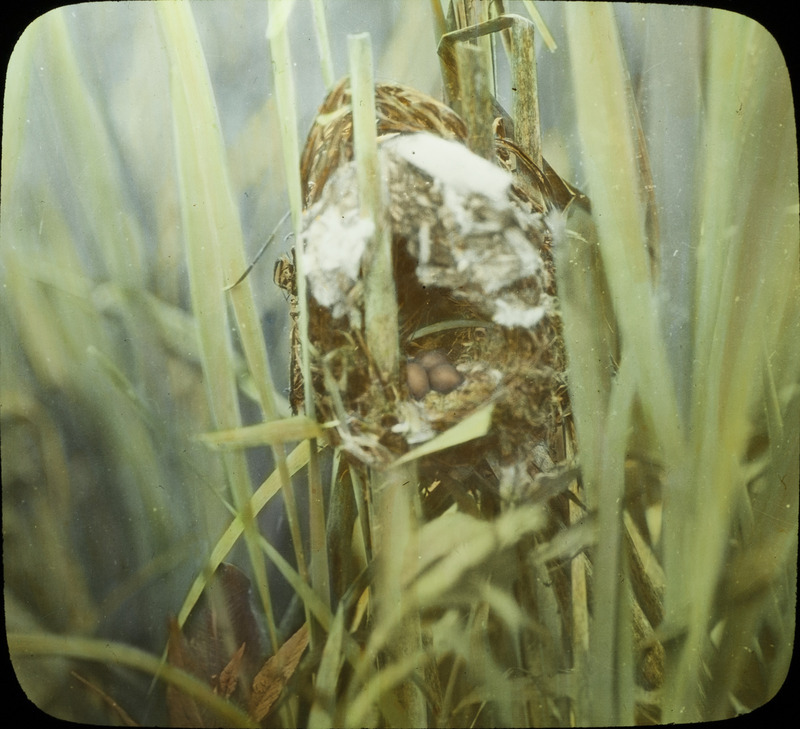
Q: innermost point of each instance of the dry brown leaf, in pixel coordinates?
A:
(220, 644)
(275, 673)
(182, 709)
(229, 676)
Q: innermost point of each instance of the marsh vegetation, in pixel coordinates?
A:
(558, 488)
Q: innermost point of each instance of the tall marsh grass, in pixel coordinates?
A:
(150, 148)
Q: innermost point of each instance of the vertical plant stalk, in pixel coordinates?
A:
(527, 132)
(278, 38)
(527, 125)
(208, 209)
(744, 254)
(448, 53)
(393, 490)
(323, 43)
(599, 78)
(380, 296)
(475, 99)
(473, 14)
(395, 544)
(90, 160)
(588, 351)
(590, 392)
(255, 350)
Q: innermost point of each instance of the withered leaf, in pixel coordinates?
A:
(220, 644)
(182, 709)
(275, 673)
(229, 677)
(221, 621)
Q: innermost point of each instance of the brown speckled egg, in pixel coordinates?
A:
(432, 358)
(444, 378)
(417, 377)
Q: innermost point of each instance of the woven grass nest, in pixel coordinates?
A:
(478, 315)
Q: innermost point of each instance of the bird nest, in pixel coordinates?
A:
(479, 323)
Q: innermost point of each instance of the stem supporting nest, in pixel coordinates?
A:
(380, 297)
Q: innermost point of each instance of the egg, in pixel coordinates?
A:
(431, 358)
(444, 378)
(417, 377)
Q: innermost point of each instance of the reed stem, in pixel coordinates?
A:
(380, 297)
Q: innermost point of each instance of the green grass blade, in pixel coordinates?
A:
(380, 295)
(273, 432)
(297, 459)
(120, 654)
(746, 285)
(277, 35)
(474, 426)
(211, 225)
(91, 159)
(604, 121)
